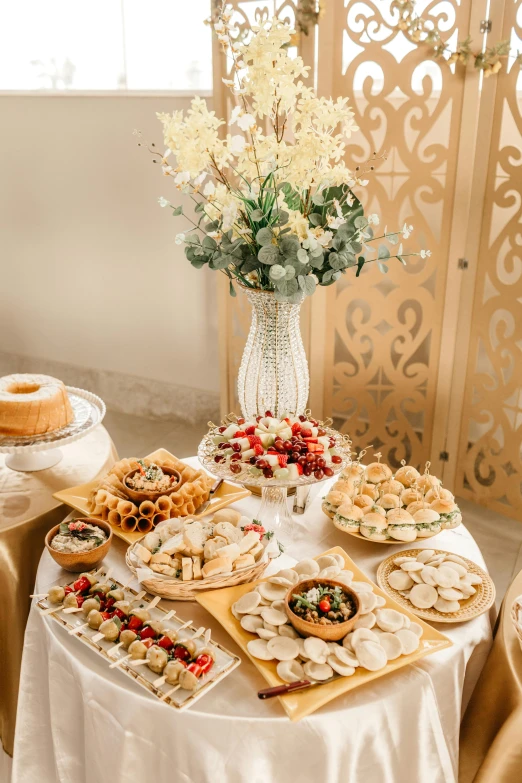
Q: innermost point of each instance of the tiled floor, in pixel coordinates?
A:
(499, 538)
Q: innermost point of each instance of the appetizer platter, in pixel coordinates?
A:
(436, 585)
(184, 556)
(369, 502)
(106, 499)
(256, 617)
(172, 659)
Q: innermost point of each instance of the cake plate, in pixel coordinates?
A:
(38, 452)
(273, 513)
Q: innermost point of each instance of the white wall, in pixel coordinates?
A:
(90, 272)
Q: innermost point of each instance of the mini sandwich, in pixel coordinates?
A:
(389, 501)
(370, 490)
(392, 487)
(410, 495)
(375, 527)
(439, 493)
(345, 485)
(348, 518)
(353, 471)
(401, 525)
(412, 508)
(374, 507)
(449, 512)
(427, 522)
(332, 501)
(407, 475)
(377, 472)
(427, 482)
(362, 501)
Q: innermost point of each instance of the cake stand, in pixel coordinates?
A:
(273, 513)
(38, 452)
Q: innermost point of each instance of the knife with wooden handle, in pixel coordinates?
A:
(281, 690)
(214, 488)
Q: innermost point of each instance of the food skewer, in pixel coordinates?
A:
(169, 693)
(77, 629)
(161, 680)
(113, 649)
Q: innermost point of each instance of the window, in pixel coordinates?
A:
(68, 45)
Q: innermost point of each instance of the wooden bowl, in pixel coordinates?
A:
(138, 496)
(329, 633)
(80, 561)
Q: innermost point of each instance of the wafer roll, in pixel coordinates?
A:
(145, 523)
(147, 509)
(112, 502)
(163, 505)
(101, 497)
(129, 523)
(114, 518)
(105, 513)
(126, 508)
(157, 518)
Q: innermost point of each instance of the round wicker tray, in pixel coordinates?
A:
(517, 606)
(175, 590)
(472, 607)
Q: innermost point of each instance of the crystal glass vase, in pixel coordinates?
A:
(273, 375)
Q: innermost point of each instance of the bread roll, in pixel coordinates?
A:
(219, 565)
(227, 515)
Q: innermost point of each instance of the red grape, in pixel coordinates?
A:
(288, 445)
(235, 467)
(235, 457)
(269, 414)
(302, 418)
(295, 455)
(218, 458)
(236, 447)
(268, 473)
(336, 459)
(320, 462)
(310, 457)
(222, 429)
(328, 472)
(240, 421)
(307, 470)
(302, 460)
(262, 463)
(321, 432)
(319, 474)
(279, 445)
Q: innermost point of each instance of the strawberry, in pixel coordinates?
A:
(304, 433)
(258, 449)
(250, 430)
(311, 440)
(254, 440)
(240, 434)
(316, 448)
(283, 460)
(299, 468)
(296, 428)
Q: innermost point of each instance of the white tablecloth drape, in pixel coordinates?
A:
(80, 723)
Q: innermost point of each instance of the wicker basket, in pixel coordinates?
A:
(515, 609)
(175, 590)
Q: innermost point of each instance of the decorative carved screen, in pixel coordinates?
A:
(490, 451)
(384, 331)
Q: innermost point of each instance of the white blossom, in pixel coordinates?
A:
(373, 219)
(406, 230)
(425, 253)
(180, 238)
(163, 202)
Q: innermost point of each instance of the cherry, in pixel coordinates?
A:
(262, 463)
(236, 447)
(235, 467)
(218, 458)
(336, 459)
(225, 445)
(253, 460)
(268, 472)
(321, 432)
(302, 418)
(269, 414)
(240, 421)
(319, 474)
(328, 472)
(221, 429)
(235, 457)
(258, 419)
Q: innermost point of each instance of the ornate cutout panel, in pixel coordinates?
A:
(384, 331)
(490, 451)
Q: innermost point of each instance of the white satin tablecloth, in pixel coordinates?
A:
(78, 723)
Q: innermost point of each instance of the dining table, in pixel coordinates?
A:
(80, 721)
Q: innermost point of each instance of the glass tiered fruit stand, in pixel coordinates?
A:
(273, 513)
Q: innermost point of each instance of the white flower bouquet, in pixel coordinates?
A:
(277, 210)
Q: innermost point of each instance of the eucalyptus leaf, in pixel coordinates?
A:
(383, 252)
(290, 245)
(268, 254)
(264, 236)
(317, 252)
(256, 215)
(338, 242)
(360, 264)
(231, 289)
(220, 261)
(318, 199)
(295, 298)
(302, 256)
(290, 272)
(382, 267)
(177, 211)
(315, 218)
(317, 261)
(307, 284)
(200, 206)
(193, 239)
(287, 287)
(401, 259)
(360, 222)
(198, 263)
(393, 239)
(282, 217)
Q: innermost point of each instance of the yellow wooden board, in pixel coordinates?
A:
(299, 705)
(77, 497)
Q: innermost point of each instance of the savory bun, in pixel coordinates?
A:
(348, 518)
(374, 526)
(336, 498)
(410, 495)
(391, 487)
(427, 482)
(227, 515)
(412, 508)
(362, 501)
(377, 472)
(353, 471)
(427, 522)
(401, 525)
(389, 501)
(371, 490)
(439, 493)
(220, 565)
(407, 475)
(450, 515)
